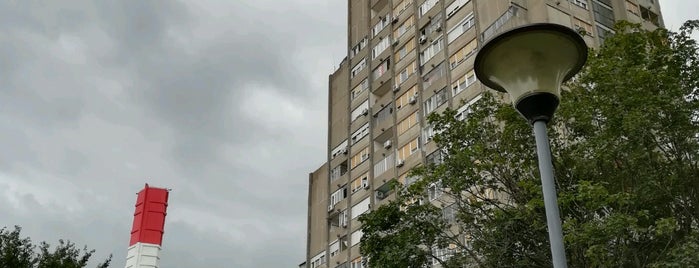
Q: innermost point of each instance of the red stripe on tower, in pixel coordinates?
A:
(148, 228)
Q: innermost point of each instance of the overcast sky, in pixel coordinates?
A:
(225, 102)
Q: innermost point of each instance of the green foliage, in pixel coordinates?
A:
(625, 145)
(18, 252)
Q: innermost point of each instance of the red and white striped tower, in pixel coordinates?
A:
(148, 228)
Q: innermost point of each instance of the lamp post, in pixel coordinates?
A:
(531, 63)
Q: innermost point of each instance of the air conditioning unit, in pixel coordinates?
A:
(330, 208)
(400, 162)
(395, 20)
(380, 195)
(344, 224)
(439, 27)
(412, 99)
(396, 88)
(395, 43)
(387, 144)
(344, 150)
(422, 39)
(365, 111)
(365, 184)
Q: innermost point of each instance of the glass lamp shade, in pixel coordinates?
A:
(532, 59)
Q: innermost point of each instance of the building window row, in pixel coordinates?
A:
(404, 28)
(338, 196)
(460, 28)
(463, 53)
(361, 110)
(380, 47)
(360, 208)
(406, 73)
(433, 75)
(466, 109)
(360, 133)
(358, 47)
(359, 89)
(431, 51)
(404, 50)
(383, 22)
(385, 164)
(409, 149)
(426, 6)
(359, 157)
(358, 68)
(408, 123)
(382, 69)
(338, 150)
(463, 82)
(603, 14)
(318, 260)
(436, 100)
(402, 6)
(504, 18)
(409, 97)
(361, 182)
(580, 3)
(455, 6)
(338, 171)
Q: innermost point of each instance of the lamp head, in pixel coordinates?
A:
(531, 63)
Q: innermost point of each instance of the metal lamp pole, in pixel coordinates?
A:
(530, 63)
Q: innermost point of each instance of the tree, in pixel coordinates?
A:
(625, 145)
(18, 252)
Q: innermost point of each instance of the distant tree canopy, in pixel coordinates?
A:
(625, 145)
(19, 252)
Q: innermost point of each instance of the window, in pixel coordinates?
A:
(338, 150)
(404, 28)
(338, 171)
(633, 8)
(435, 101)
(407, 123)
(362, 109)
(463, 26)
(338, 195)
(318, 260)
(648, 15)
(449, 213)
(356, 237)
(428, 133)
(356, 91)
(603, 15)
(358, 47)
(455, 6)
(581, 26)
(380, 47)
(384, 164)
(384, 114)
(409, 149)
(358, 68)
(404, 50)
(465, 109)
(360, 182)
(435, 74)
(382, 69)
(406, 73)
(406, 98)
(430, 51)
(357, 263)
(360, 133)
(334, 248)
(426, 6)
(343, 218)
(580, 3)
(360, 208)
(435, 23)
(359, 157)
(463, 53)
(434, 190)
(463, 82)
(381, 24)
(436, 157)
(504, 18)
(402, 6)
(603, 33)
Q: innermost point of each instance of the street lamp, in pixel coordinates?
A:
(531, 63)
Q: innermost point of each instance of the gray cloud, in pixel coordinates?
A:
(222, 101)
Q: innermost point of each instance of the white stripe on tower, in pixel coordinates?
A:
(148, 228)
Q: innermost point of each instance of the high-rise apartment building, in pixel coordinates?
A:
(407, 59)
